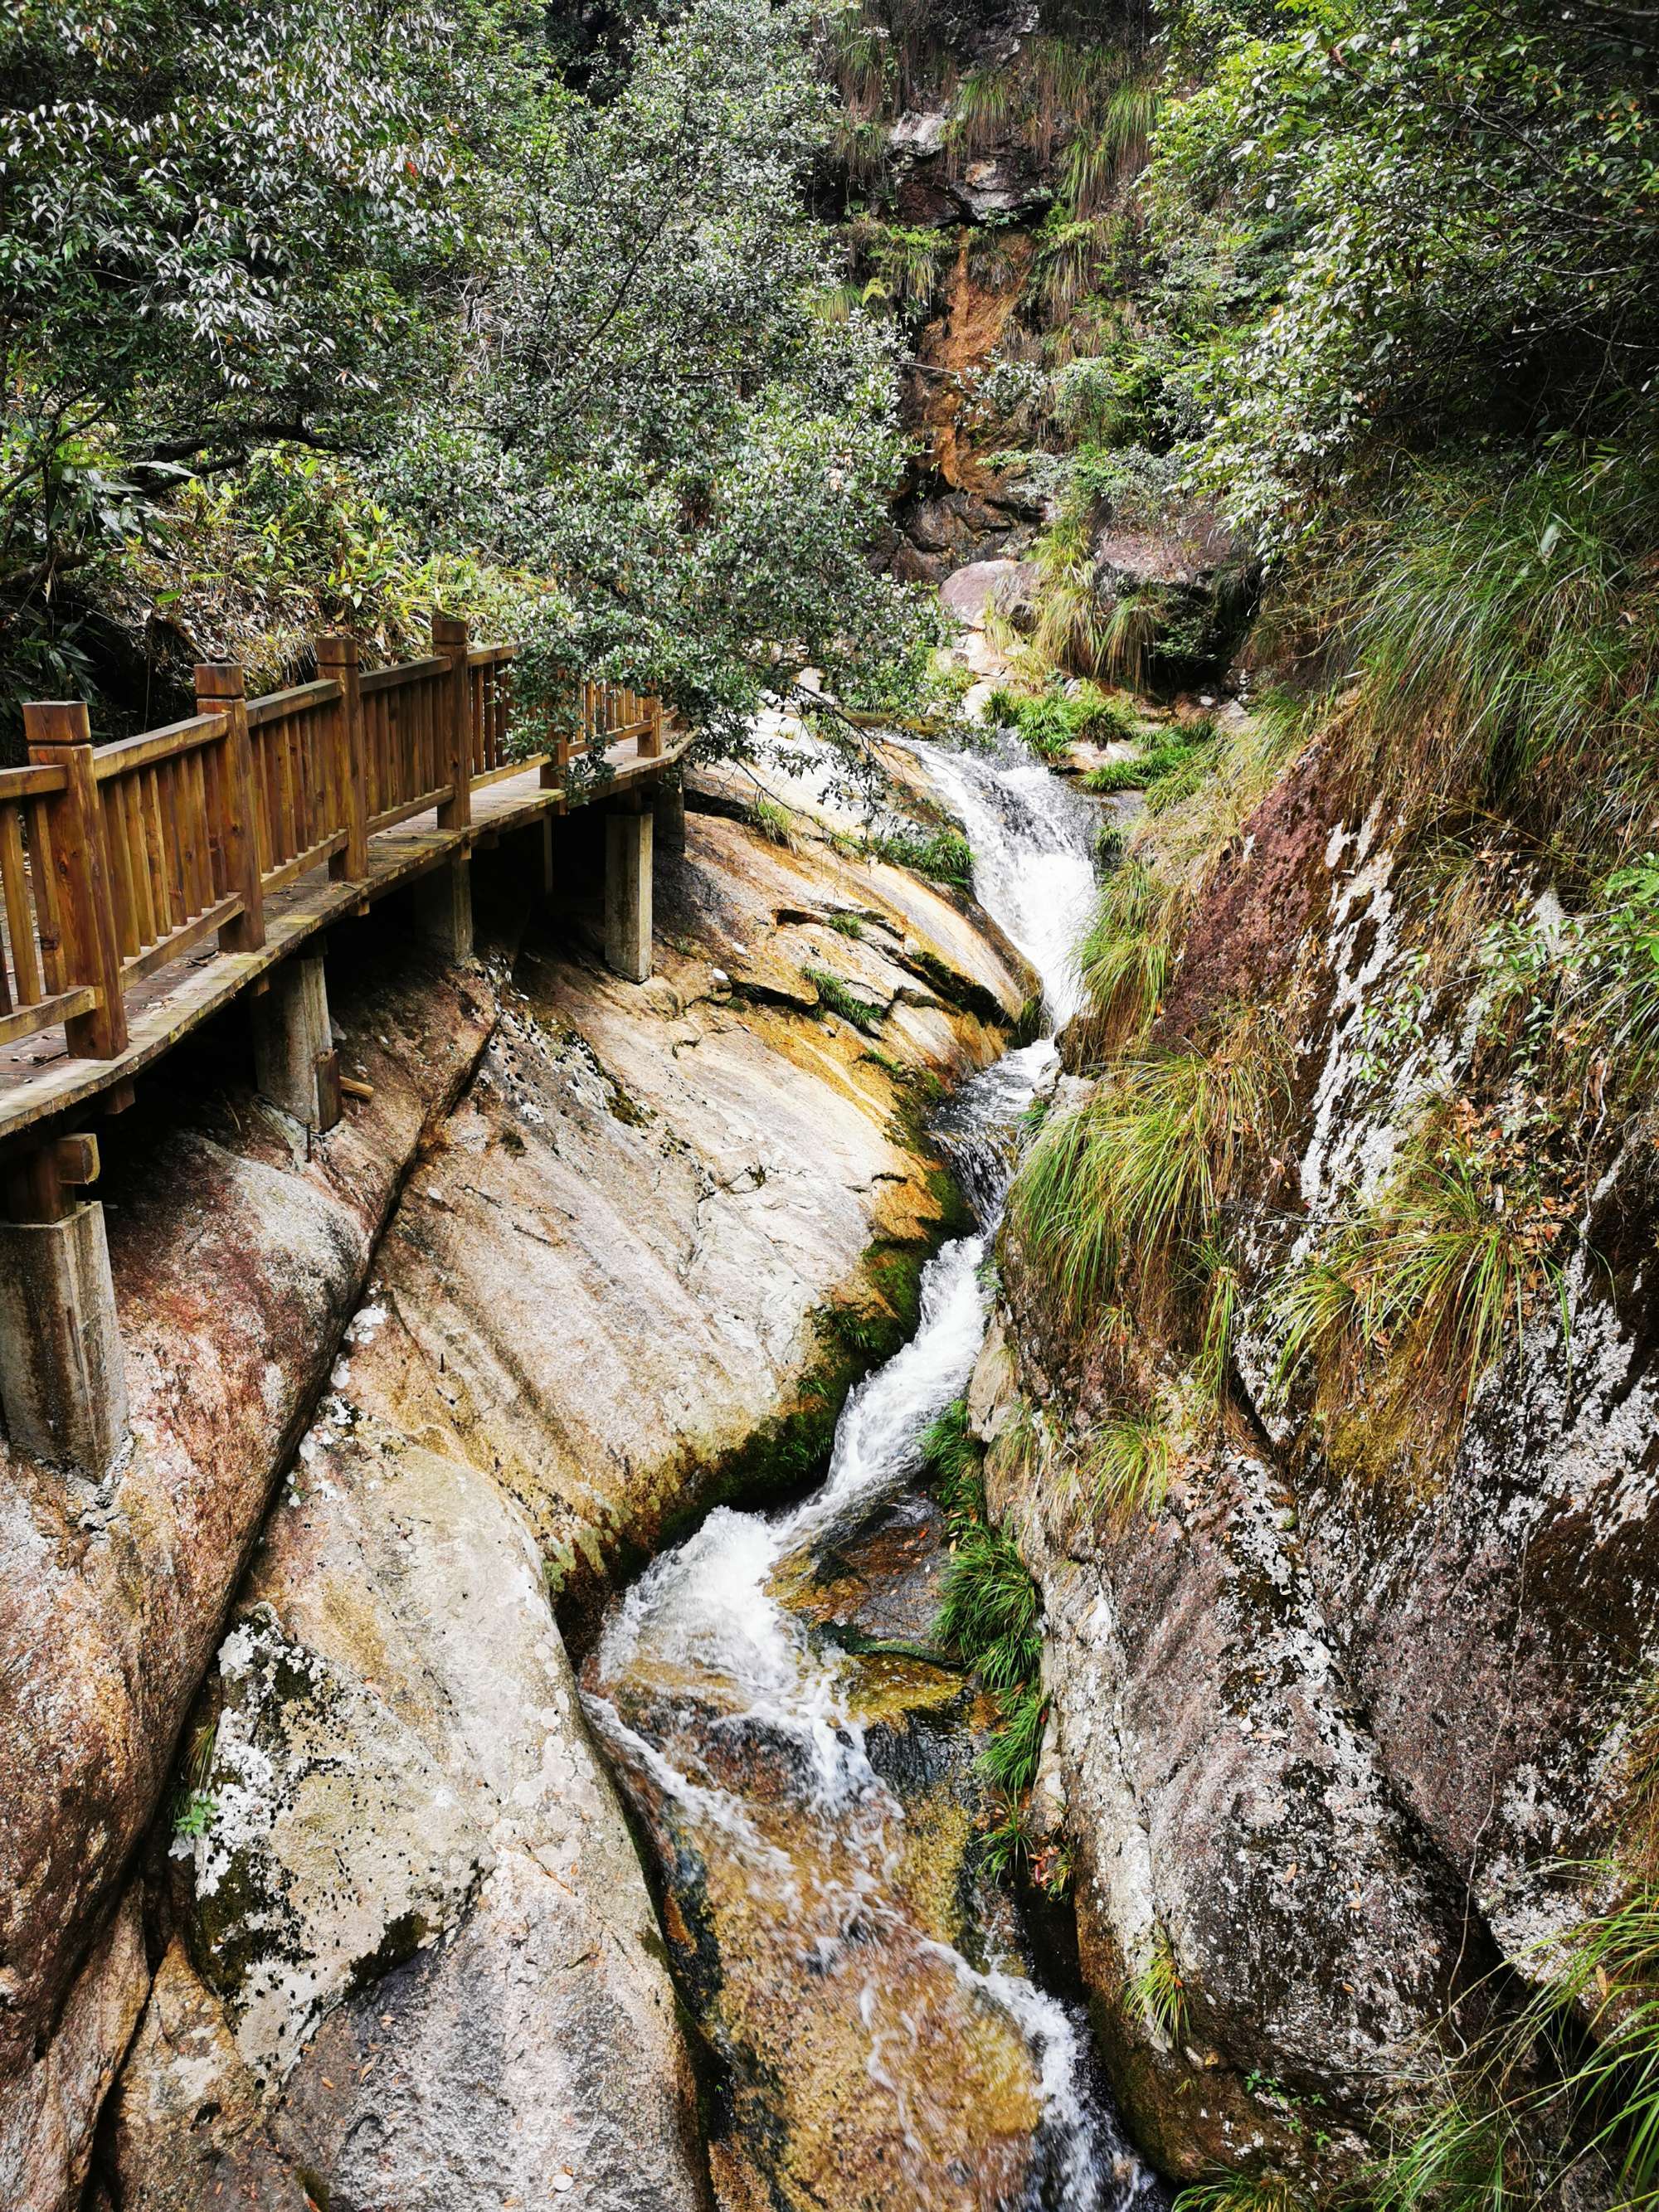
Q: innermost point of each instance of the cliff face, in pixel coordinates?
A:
(1344, 1720)
(381, 1931)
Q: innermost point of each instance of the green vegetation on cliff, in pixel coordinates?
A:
(311, 315)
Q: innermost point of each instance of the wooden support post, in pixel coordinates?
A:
(221, 689)
(336, 663)
(294, 1061)
(668, 805)
(63, 1379)
(651, 736)
(60, 735)
(443, 908)
(628, 848)
(449, 637)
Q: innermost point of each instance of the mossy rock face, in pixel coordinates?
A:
(332, 1849)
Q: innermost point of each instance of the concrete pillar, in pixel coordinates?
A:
(63, 1379)
(668, 807)
(294, 1061)
(443, 908)
(627, 895)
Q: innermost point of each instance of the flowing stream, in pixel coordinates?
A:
(807, 1787)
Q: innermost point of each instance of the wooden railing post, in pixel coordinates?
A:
(221, 689)
(336, 663)
(60, 735)
(651, 736)
(449, 636)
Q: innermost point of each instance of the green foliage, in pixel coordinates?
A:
(1127, 1463)
(195, 1813)
(899, 267)
(1417, 1293)
(1170, 767)
(1136, 1175)
(944, 855)
(1440, 174)
(953, 1463)
(1127, 954)
(1565, 2081)
(1059, 718)
(1010, 1758)
(989, 1609)
(560, 327)
(1505, 639)
(1160, 1991)
(774, 821)
(842, 1000)
(1263, 2191)
(844, 925)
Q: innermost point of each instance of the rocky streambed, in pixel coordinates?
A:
(802, 1761)
(317, 1891)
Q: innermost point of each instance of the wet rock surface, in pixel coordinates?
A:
(1333, 1724)
(238, 1251)
(650, 1201)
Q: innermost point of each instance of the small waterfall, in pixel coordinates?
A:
(747, 1741)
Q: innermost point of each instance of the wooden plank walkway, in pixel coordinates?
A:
(309, 815)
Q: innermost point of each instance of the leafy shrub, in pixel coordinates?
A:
(944, 855)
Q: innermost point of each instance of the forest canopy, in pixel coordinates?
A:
(367, 303)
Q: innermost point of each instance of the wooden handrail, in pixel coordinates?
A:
(115, 862)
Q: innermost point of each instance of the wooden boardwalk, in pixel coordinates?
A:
(147, 884)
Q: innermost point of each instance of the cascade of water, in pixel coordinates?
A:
(703, 1628)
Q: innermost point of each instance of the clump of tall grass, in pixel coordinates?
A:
(1128, 954)
(1127, 1463)
(944, 854)
(1503, 642)
(774, 821)
(863, 1013)
(1057, 718)
(953, 1462)
(1159, 1990)
(1415, 1294)
(1564, 2088)
(1181, 756)
(1268, 2190)
(989, 1609)
(1138, 1173)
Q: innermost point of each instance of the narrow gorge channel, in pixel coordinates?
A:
(803, 1766)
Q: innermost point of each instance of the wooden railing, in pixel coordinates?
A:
(115, 861)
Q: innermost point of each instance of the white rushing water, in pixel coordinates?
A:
(704, 1614)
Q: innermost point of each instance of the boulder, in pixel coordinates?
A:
(430, 1976)
(238, 1251)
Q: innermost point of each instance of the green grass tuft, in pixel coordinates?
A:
(1160, 1992)
(1421, 1291)
(1127, 1463)
(1138, 1172)
(840, 999)
(1127, 955)
(944, 855)
(774, 822)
